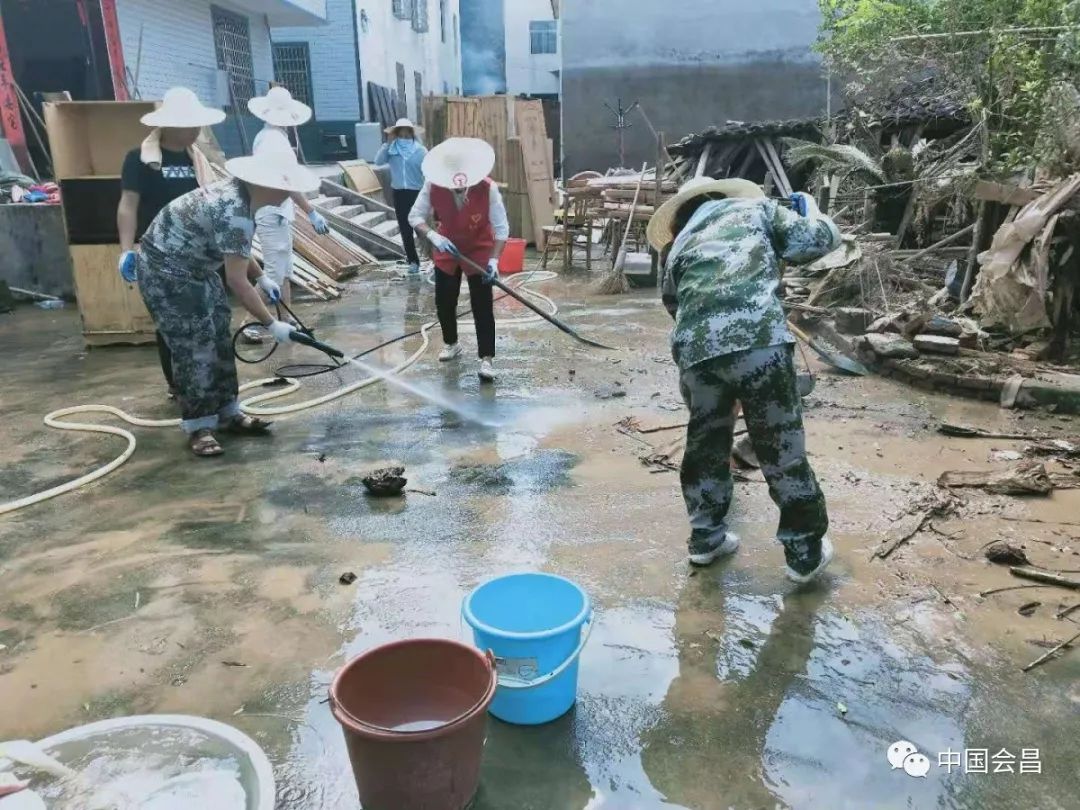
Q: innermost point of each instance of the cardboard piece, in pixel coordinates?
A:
(532, 133)
(361, 177)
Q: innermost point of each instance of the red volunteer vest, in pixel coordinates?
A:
(469, 228)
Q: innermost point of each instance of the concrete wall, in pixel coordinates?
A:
(385, 41)
(33, 250)
(334, 59)
(716, 60)
(528, 73)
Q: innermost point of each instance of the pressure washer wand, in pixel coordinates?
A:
(305, 339)
(549, 318)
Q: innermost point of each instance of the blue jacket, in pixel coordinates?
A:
(405, 170)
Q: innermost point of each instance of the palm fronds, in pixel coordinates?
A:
(833, 158)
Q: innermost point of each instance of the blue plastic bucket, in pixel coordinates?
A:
(536, 626)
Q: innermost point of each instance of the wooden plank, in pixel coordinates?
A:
(532, 132)
(112, 311)
(360, 177)
(346, 253)
(461, 114)
(492, 124)
(703, 161)
(1004, 193)
(778, 167)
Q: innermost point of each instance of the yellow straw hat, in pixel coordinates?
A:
(659, 231)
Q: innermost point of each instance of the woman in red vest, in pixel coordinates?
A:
(473, 223)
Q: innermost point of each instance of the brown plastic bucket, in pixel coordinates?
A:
(414, 715)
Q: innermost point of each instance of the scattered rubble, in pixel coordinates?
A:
(1006, 554)
(1026, 478)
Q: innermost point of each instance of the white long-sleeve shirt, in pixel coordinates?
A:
(500, 223)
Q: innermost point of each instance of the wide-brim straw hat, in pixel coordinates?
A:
(659, 231)
(279, 108)
(403, 123)
(181, 109)
(274, 165)
(459, 163)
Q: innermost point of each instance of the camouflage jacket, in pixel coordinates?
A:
(720, 278)
(192, 235)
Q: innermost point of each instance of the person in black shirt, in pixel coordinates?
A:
(155, 174)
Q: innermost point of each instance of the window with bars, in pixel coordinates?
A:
(544, 36)
(232, 43)
(292, 70)
(403, 9)
(420, 23)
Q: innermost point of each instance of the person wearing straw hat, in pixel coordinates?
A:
(722, 243)
(154, 174)
(473, 223)
(404, 154)
(280, 112)
(184, 292)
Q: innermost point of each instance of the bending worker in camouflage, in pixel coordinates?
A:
(731, 343)
(178, 276)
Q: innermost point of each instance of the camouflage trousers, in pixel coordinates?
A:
(764, 381)
(193, 316)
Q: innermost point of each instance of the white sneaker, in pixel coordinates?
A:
(725, 549)
(487, 370)
(826, 558)
(449, 352)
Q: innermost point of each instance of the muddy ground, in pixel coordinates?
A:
(724, 688)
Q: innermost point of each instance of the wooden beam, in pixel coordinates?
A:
(948, 240)
(1004, 193)
(703, 161)
(767, 151)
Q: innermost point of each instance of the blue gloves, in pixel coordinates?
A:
(442, 244)
(319, 223)
(804, 205)
(127, 266)
(492, 272)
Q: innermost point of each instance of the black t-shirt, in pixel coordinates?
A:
(157, 188)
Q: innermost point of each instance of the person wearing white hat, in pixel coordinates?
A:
(156, 173)
(473, 223)
(723, 244)
(404, 154)
(183, 290)
(280, 112)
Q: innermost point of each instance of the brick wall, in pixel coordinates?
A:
(178, 46)
(333, 61)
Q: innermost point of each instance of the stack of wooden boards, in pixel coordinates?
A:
(524, 163)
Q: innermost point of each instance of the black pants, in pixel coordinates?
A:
(447, 289)
(165, 356)
(403, 203)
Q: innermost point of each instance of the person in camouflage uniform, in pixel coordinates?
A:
(179, 278)
(725, 242)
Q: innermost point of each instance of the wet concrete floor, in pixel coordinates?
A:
(725, 688)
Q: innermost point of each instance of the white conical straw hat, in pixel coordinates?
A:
(274, 165)
(659, 231)
(459, 163)
(181, 109)
(403, 123)
(279, 108)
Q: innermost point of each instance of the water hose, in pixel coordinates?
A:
(254, 406)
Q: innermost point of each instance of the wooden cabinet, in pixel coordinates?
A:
(112, 311)
(88, 141)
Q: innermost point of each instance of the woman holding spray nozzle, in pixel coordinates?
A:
(179, 281)
(473, 224)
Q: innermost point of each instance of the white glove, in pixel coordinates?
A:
(492, 273)
(319, 223)
(441, 243)
(281, 331)
(270, 287)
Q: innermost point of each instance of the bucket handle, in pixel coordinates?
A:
(517, 683)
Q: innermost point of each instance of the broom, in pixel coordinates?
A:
(615, 282)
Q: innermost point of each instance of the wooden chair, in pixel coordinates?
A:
(577, 219)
